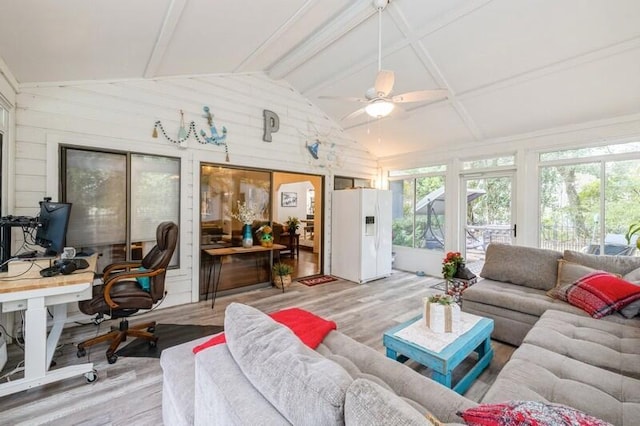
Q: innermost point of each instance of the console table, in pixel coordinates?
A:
(27, 290)
(216, 254)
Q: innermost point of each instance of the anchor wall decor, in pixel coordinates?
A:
(202, 138)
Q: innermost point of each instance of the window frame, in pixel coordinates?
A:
(62, 148)
(440, 170)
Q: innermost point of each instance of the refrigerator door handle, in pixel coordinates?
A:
(377, 230)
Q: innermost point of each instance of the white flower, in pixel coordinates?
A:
(244, 214)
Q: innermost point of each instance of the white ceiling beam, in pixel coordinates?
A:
(564, 64)
(301, 12)
(350, 18)
(6, 72)
(164, 38)
(432, 68)
(428, 28)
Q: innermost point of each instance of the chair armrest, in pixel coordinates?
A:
(120, 266)
(125, 276)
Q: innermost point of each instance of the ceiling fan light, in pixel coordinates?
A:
(379, 109)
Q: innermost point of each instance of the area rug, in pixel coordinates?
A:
(168, 335)
(317, 280)
(442, 285)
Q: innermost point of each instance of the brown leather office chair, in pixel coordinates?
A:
(122, 295)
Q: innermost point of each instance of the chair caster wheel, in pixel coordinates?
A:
(153, 343)
(81, 352)
(91, 376)
(112, 358)
(151, 329)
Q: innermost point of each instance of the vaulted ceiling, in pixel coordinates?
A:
(510, 67)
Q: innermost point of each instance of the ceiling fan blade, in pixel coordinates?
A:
(344, 98)
(384, 82)
(420, 96)
(353, 114)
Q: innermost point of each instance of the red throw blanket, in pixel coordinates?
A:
(310, 328)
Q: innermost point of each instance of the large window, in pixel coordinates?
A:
(589, 197)
(419, 210)
(118, 201)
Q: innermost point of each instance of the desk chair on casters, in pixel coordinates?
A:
(121, 295)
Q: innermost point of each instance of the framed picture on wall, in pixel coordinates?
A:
(289, 199)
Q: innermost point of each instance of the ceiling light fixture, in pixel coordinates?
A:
(379, 108)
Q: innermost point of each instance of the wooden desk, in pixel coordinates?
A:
(28, 291)
(217, 254)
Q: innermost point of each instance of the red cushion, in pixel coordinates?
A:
(531, 413)
(600, 294)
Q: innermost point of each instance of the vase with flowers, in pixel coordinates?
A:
(246, 215)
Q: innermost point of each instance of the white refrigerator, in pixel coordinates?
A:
(361, 234)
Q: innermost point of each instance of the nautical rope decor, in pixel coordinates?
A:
(202, 138)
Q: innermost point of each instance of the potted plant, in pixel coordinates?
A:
(450, 265)
(282, 274)
(634, 229)
(292, 224)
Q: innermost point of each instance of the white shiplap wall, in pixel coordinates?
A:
(119, 115)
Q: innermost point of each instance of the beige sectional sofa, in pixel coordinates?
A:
(265, 375)
(516, 279)
(564, 356)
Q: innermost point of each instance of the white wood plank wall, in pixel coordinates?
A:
(119, 115)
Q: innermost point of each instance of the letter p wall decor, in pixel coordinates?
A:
(271, 124)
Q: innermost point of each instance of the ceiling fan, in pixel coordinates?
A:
(378, 98)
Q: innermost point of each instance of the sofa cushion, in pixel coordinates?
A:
(304, 386)
(527, 412)
(367, 404)
(600, 293)
(526, 266)
(178, 366)
(603, 344)
(538, 374)
(423, 394)
(620, 265)
(515, 297)
(224, 395)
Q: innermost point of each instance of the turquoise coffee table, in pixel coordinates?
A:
(477, 339)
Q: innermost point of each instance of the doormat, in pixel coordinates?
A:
(317, 280)
(168, 335)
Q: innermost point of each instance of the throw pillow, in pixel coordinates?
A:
(304, 386)
(516, 413)
(632, 309)
(621, 265)
(526, 266)
(368, 403)
(600, 294)
(568, 273)
(145, 282)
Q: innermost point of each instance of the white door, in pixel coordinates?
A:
(489, 214)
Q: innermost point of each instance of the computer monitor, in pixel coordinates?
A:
(52, 226)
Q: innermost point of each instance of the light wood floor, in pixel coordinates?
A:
(130, 391)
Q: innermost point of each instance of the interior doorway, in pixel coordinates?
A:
(299, 196)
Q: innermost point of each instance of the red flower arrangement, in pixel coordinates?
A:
(450, 264)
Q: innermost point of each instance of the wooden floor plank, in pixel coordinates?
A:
(130, 391)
